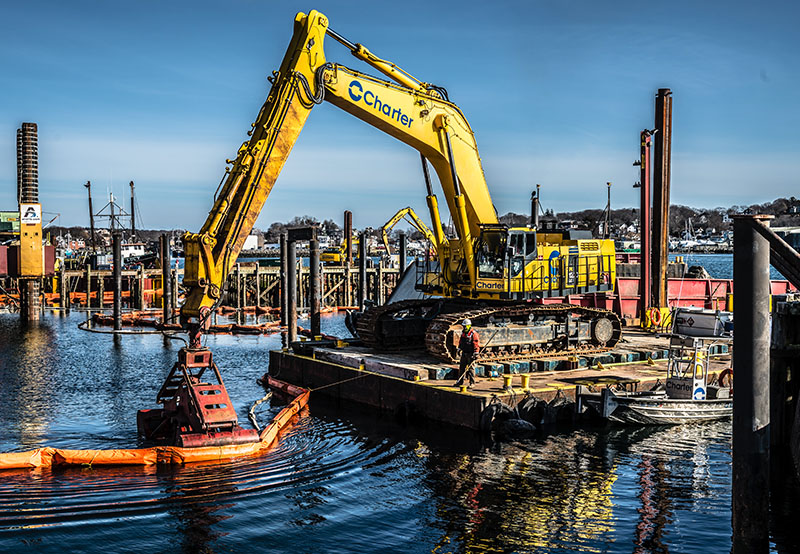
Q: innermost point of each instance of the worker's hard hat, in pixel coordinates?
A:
(466, 323)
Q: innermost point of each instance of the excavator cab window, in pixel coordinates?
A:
(521, 250)
(490, 254)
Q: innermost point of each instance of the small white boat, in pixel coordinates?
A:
(685, 397)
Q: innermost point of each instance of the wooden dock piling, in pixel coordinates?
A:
(166, 281)
(315, 288)
(117, 249)
(291, 292)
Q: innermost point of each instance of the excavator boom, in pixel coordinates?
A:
(211, 253)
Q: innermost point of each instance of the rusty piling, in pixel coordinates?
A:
(403, 252)
(362, 269)
(751, 411)
(662, 156)
(644, 223)
(348, 236)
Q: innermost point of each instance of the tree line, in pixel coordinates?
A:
(785, 210)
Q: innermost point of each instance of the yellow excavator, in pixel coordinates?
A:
(409, 215)
(487, 272)
(335, 255)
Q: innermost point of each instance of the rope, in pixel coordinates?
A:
(339, 382)
(82, 326)
(89, 465)
(251, 414)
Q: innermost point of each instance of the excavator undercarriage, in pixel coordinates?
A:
(507, 331)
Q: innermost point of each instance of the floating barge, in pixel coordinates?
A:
(412, 384)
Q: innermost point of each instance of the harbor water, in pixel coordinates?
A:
(341, 480)
(719, 266)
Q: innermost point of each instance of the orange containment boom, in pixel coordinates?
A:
(48, 457)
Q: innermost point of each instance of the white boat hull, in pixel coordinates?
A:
(645, 408)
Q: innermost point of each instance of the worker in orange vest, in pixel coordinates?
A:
(469, 347)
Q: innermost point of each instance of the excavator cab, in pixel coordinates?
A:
(490, 252)
(502, 254)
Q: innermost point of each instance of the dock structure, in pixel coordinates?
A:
(250, 285)
(413, 382)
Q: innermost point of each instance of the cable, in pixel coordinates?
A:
(319, 97)
(440, 90)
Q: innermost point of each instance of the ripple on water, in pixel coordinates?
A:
(339, 480)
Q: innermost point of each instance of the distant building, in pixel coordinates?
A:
(68, 243)
(9, 221)
(74, 244)
(790, 234)
(251, 242)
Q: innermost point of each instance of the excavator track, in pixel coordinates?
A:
(372, 325)
(592, 330)
(554, 330)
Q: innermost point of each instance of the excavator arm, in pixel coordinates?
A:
(414, 112)
(411, 216)
(211, 253)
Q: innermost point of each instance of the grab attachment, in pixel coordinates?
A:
(195, 413)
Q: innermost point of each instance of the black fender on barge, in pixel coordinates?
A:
(507, 331)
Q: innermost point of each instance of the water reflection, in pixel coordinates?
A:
(194, 495)
(527, 496)
(566, 492)
(654, 512)
(27, 377)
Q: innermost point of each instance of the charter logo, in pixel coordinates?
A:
(554, 255)
(358, 94)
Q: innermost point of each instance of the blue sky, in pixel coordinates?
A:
(557, 92)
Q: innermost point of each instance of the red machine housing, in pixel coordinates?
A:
(195, 413)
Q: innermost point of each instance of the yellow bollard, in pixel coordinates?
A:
(463, 388)
(525, 381)
(507, 381)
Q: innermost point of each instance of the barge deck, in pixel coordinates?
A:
(414, 384)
